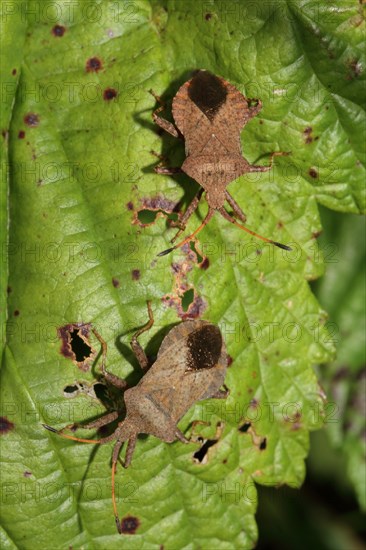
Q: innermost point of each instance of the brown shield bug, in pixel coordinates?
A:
(210, 113)
(190, 366)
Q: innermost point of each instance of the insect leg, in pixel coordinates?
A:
(221, 394)
(136, 346)
(165, 124)
(236, 208)
(227, 216)
(256, 168)
(179, 435)
(187, 214)
(161, 168)
(112, 378)
(103, 421)
(130, 449)
(209, 215)
(254, 109)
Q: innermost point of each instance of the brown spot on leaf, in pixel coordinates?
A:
(109, 94)
(21, 134)
(16, 313)
(316, 234)
(75, 344)
(146, 216)
(14, 72)
(129, 205)
(27, 473)
(115, 282)
(160, 203)
(31, 119)
(313, 173)
(93, 65)
(354, 69)
(229, 360)
(58, 30)
(129, 525)
(208, 16)
(135, 274)
(5, 134)
(308, 134)
(205, 263)
(5, 425)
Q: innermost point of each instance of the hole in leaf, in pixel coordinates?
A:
(146, 216)
(71, 389)
(263, 444)
(187, 299)
(79, 347)
(245, 427)
(201, 453)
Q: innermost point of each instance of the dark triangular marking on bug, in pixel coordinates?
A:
(207, 92)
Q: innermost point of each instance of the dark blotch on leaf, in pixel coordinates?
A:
(208, 16)
(14, 72)
(31, 119)
(21, 134)
(204, 347)
(263, 444)
(16, 313)
(135, 274)
(307, 132)
(208, 92)
(129, 205)
(129, 525)
(205, 264)
(93, 65)
(58, 30)
(313, 173)
(109, 94)
(115, 282)
(5, 425)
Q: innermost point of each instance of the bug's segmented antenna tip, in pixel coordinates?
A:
(49, 428)
(283, 246)
(118, 524)
(167, 251)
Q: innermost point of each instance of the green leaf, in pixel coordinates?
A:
(80, 170)
(342, 291)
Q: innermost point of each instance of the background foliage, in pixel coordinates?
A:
(77, 141)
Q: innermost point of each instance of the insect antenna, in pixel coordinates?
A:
(81, 440)
(209, 215)
(232, 220)
(116, 450)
